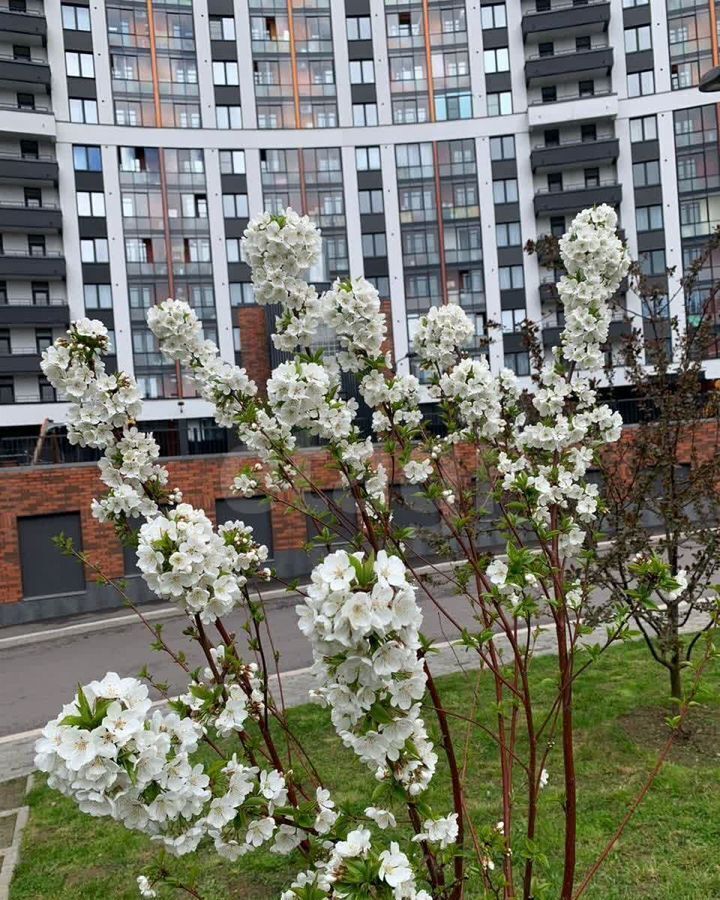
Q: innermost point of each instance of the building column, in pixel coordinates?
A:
(341, 63)
(103, 72)
(394, 250)
(118, 269)
(616, 39)
(352, 212)
(493, 312)
(473, 18)
(661, 47)
(245, 63)
(516, 49)
(627, 211)
(528, 225)
(71, 231)
(671, 216)
(221, 279)
(382, 68)
(58, 99)
(203, 55)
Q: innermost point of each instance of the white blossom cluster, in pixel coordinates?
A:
(184, 560)
(306, 395)
(478, 396)
(352, 309)
(180, 336)
(362, 619)
(441, 336)
(278, 249)
(596, 262)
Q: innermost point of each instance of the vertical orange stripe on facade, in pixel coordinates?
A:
(714, 33)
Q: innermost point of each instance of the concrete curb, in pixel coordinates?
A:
(10, 855)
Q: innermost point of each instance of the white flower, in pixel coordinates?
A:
(145, 888)
(395, 866)
(442, 831)
(442, 334)
(418, 471)
(382, 817)
(543, 778)
(357, 843)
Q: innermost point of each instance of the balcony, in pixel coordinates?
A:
(25, 265)
(595, 63)
(28, 24)
(23, 72)
(14, 167)
(19, 217)
(571, 106)
(573, 198)
(565, 18)
(574, 154)
(26, 312)
(551, 336)
(22, 360)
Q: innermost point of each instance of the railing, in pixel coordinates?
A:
(564, 188)
(599, 139)
(16, 154)
(571, 95)
(565, 4)
(22, 204)
(24, 12)
(38, 108)
(571, 52)
(31, 301)
(55, 449)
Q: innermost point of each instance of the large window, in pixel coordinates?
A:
(87, 159)
(79, 65)
(75, 18)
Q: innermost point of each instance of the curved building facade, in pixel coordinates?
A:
(429, 139)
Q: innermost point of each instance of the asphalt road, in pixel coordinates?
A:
(36, 679)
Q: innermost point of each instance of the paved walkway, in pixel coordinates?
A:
(16, 750)
(13, 818)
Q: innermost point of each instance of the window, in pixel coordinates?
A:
(628, 4)
(36, 245)
(79, 65)
(583, 43)
(33, 197)
(232, 250)
(43, 339)
(507, 234)
(3, 293)
(511, 278)
(29, 149)
(94, 250)
(362, 71)
(557, 226)
(235, 206)
(45, 570)
(546, 48)
(641, 83)
(505, 190)
(97, 296)
(83, 111)
(586, 88)
(87, 159)
(649, 218)
(225, 72)
(512, 320)
(232, 162)
(502, 147)
(653, 262)
(222, 28)
(40, 293)
(26, 101)
(592, 177)
(90, 203)
(548, 93)
(497, 60)
(637, 39)
(552, 137)
(17, 5)
(7, 389)
(228, 116)
(358, 28)
(646, 173)
(493, 16)
(371, 202)
(241, 293)
(373, 244)
(22, 52)
(75, 18)
(555, 182)
(643, 129)
(367, 159)
(364, 114)
(5, 347)
(500, 104)
(519, 362)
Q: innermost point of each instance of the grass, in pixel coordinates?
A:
(669, 851)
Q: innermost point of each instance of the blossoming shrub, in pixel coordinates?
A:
(373, 668)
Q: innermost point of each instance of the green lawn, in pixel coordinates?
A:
(670, 851)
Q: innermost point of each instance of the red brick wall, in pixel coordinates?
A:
(55, 489)
(255, 346)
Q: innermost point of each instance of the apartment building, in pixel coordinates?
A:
(429, 139)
